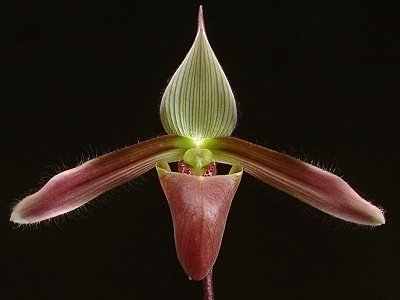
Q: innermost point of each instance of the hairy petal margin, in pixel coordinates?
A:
(314, 186)
(73, 188)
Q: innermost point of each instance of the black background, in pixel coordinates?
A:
(317, 80)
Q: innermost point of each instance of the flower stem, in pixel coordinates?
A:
(208, 287)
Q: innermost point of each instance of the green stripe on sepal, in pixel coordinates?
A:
(198, 101)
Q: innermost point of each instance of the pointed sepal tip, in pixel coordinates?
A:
(198, 101)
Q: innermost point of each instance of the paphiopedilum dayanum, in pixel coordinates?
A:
(198, 112)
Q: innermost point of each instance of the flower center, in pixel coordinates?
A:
(210, 170)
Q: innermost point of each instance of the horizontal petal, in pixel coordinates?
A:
(75, 187)
(314, 186)
(199, 208)
(198, 101)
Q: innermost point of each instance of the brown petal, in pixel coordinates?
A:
(314, 186)
(73, 188)
(199, 208)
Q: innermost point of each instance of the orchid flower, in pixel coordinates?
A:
(198, 112)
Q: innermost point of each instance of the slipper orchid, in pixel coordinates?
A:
(198, 112)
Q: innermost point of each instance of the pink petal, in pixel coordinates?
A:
(75, 187)
(199, 208)
(314, 186)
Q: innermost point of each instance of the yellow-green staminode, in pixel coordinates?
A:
(198, 101)
(198, 160)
